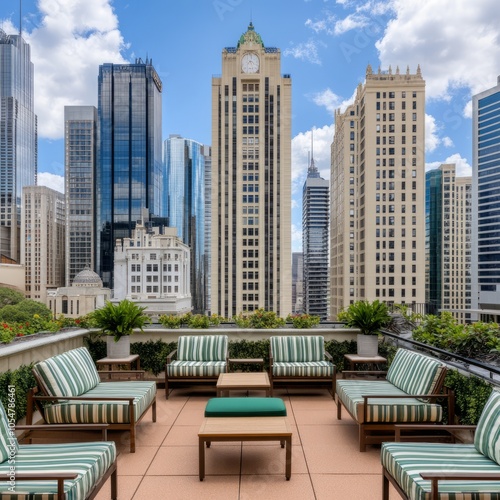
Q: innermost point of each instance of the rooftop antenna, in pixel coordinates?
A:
(20, 18)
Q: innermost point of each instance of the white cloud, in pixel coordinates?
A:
(69, 43)
(351, 22)
(448, 142)
(463, 168)
(307, 51)
(52, 181)
(432, 135)
(455, 41)
(332, 101)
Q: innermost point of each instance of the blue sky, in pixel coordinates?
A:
(325, 46)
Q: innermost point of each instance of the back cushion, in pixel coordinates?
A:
(414, 373)
(202, 348)
(72, 373)
(298, 349)
(487, 437)
(8, 440)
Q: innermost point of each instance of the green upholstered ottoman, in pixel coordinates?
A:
(245, 407)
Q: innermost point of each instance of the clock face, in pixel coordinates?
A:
(250, 63)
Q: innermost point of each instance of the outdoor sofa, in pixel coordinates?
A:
(411, 393)
(69, 391)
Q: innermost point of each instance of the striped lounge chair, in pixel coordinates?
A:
(409, 394)
(432, 471)
(71, 384)
(300, 358)
(73, 471)
(197, 359)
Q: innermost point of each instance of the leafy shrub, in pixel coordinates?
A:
(170, 320)
(303, 320)
(199, 321)
(369, 317)
(24, 311)
(9, 297)
(259, 319)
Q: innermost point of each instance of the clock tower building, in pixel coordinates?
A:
(251, 181)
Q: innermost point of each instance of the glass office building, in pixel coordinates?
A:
(18, 137)
(129, 164)
(486, 202)
(184, 206)
(80, 123)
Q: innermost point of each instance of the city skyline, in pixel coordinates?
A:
(325, 46)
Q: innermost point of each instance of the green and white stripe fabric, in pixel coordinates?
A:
(89, 460)
(405, 462)
(8, 441)
(301, 349)
(72, 373)
(202, 348)
(311, 369)
(405, 409)
(105, 412)
(414, 373)
(487, 436)
(196, 368)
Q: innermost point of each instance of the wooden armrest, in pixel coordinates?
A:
(83, 398)
(109, 375)
(37, 476)
(171, 355)
(404, 396)
(399, 428)
(434, 477)
(67, 427)
(328, 356)
(363, 372)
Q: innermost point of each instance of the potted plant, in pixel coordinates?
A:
(118, 322)
(369, 318)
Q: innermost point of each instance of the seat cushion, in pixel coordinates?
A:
(202, 348)
(8, 441)
(89, 460)
(245, 407)
(414, 373)
(106, 412)
(405, 462)
(487, 436)
(303, 369)
(72, 373)
(406, 409)
(300, 348)
(195, 368)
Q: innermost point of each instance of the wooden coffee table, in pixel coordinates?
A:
(243, 381)
(245, 429)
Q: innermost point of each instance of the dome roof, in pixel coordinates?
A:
(87, 277)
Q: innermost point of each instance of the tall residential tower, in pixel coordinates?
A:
(251, 180)
(129, 157)
(18, 136)
(378, 189)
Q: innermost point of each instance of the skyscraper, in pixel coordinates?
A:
(297, 282)
(44, 228)
(129, 162)
(378, 189)
(18, 136)
(251, 180)
(79, 166)
(448, 241)
(184, 199)
(486, 209)
(315, 229)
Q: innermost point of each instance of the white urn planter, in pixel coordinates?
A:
(120, 349)
(367, 345)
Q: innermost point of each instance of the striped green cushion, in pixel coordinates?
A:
(196, 368)
(8, 440)
(487, 437)
(311, 369)
(414, 373)
(72, 373)
(202, 348)
(106, 412)
(351, 393)
(300, 348)
(405, 462)
(89, 460)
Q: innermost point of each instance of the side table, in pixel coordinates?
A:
(354, 360)
(128, 360)
(245, 361)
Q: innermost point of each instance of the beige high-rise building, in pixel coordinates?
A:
(43, 242)
(378, 193)
(251, 181)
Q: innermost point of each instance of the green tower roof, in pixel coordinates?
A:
(250, 36)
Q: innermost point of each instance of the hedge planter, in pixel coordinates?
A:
(367, 345)
(118, 350)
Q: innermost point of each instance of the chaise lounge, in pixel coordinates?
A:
(409, 394)
(432, 471)
(197, 359)
(70, 383)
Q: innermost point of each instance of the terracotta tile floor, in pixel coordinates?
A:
(326, 463)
